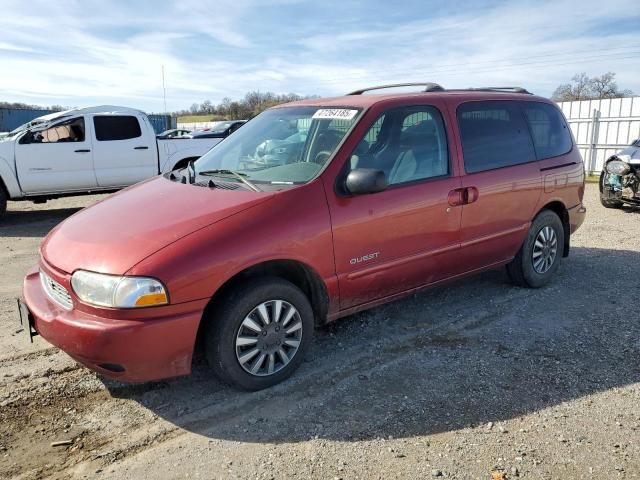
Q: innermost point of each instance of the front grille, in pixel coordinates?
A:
(56, 292)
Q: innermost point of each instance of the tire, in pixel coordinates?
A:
(525, 269)
(3, 201)
(607, 202)
(227, 328)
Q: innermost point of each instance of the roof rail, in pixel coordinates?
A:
(500, 89)
(429, 87)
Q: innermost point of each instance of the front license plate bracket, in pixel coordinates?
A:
(26, 319)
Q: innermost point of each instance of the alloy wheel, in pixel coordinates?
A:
(545, 250)
(269, 338)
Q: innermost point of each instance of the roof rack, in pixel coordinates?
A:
(429, 87)
(499, 89)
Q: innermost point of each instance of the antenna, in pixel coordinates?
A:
(164, 91)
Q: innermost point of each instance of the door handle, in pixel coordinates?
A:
(456, 197)
(82, 150)
(471, 195)
(463, 196)
(141, 148)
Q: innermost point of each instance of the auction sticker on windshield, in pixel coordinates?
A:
(335, 113)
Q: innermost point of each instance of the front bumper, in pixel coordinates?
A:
(130, 350)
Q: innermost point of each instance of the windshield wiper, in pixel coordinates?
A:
(233, 173)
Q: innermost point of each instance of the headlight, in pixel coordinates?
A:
(617, 167)
(118, 292)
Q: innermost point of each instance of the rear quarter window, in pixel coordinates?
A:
(549, 130)
(494, 134)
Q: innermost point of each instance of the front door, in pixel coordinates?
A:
(56, 159)
(407, 235)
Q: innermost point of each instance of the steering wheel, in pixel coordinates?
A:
(322, 156)
(247, 162)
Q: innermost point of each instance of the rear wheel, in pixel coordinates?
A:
(260, 333)
(607, 202)
(540, 254)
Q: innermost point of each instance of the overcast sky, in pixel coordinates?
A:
(78, 53)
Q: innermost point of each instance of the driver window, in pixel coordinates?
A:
(70, 131)
(407, 144)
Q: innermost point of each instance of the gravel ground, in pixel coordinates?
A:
(475, 379)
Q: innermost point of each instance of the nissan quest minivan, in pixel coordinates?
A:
(311, 211)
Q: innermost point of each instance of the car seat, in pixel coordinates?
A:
(421, 155)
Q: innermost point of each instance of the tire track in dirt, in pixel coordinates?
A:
(224, 409)
(77, 390)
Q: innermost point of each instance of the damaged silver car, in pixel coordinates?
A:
(620, 178)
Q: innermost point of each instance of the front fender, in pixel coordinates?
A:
(290, 225)
(9, 177)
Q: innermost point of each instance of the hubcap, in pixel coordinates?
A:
(545, 250)
(269, 338)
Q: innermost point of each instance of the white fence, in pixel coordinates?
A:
(602, 127)
(198, 125)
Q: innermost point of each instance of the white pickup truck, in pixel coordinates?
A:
(88, 150)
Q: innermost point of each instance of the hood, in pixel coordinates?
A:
(115, 234)
(630, 155)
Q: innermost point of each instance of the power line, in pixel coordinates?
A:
(441, 70)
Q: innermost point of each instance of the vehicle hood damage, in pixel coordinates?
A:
(117, 233)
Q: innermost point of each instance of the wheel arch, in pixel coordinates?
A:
(3, 188)
(560, 209)
(298, 273)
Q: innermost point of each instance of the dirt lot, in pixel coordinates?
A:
(469, 380)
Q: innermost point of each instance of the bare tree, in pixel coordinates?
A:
(252, 104)
(605, 86)
(585, 88)
(206, 107)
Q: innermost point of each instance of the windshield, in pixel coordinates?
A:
(220, 128)
(21, 128)
(287, 145)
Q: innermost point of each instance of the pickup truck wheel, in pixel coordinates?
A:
(540, 254)
(260, 333)
(3, 201)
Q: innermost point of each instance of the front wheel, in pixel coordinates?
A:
(540, 254)
(259, 334)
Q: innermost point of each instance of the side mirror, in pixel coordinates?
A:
(366, 180)
(26, 138)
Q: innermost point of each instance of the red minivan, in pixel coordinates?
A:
(311, 211)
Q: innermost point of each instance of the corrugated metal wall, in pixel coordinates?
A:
(11, 118)
(162, 122)
(602, 127)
